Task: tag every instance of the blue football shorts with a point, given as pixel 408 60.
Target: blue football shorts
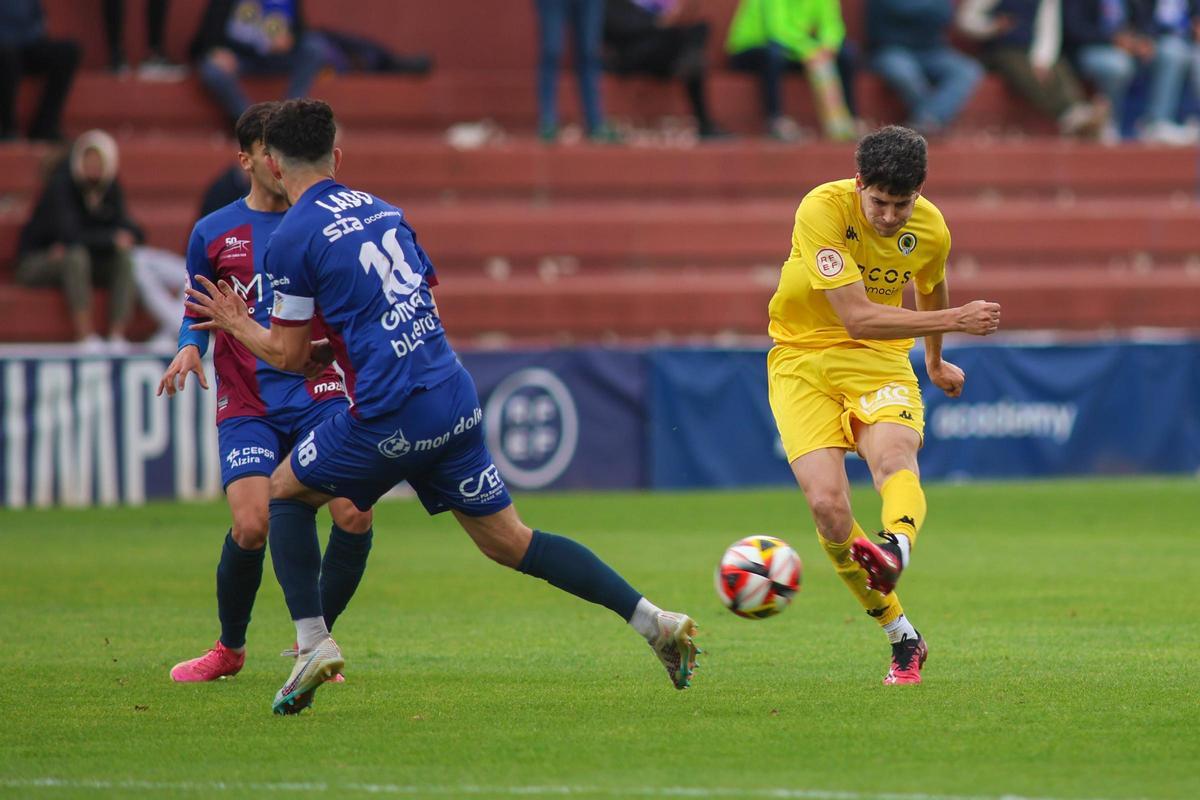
pixel 434 441
pixel 254 445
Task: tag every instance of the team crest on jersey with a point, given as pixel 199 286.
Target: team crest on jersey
pixel 829 262
pixel 907 243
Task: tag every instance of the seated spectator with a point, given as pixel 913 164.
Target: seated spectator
pixel 1097 39
pixel 910 50
pixel 1162 32
pixel 771 36
pixel 587 26
pixel 256 37
pixel 25 48
pixel 649 37
pixel 80 233
pixel 156 66
pixel 1022 41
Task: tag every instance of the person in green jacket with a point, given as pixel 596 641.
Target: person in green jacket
pixel 771 36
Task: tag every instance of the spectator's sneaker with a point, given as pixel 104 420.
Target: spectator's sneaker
pixel 908 656
pixel 161 69
pixel 219 662
pixel 674 647
pixel 311 670
pixel 882 561
pixel 295 652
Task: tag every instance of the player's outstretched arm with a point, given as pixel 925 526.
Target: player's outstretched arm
pixel 175 378
pixel 283 347
pixel 866 320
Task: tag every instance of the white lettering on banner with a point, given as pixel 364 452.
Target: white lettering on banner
pixel 144 425
pixel 1005 420
pixel 197 472
pixel 96 444
pixel 183 433
pixel 15 438
pixel 52 421
pixel 60 433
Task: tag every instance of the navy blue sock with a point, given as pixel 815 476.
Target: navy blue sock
pixel 296 555
pixel 341 569
pixel 568 565
pixel 239 573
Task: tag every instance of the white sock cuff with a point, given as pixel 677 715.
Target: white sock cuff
pixel 310 632
pixel 905 546
pixel 645 619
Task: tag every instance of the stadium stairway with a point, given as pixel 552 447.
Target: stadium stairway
pixel 660 239
pixel 593 243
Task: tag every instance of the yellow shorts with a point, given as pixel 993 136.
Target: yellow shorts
pixel 815 394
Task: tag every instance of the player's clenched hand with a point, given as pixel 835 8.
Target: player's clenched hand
pixel 946 376
pixel 979 317
pixel 320 356
pixel 224 307
pixel 175 378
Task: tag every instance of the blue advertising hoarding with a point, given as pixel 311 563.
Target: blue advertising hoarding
pixel 85 431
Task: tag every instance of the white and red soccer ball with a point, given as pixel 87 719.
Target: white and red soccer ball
pixel 758 576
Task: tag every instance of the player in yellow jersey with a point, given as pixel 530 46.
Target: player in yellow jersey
pixel 840 376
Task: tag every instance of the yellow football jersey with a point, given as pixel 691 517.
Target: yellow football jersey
pixel 834 245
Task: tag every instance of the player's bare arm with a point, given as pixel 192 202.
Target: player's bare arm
pixel 946 376
pixel 175 378
pixel 284 347
pixel 867 320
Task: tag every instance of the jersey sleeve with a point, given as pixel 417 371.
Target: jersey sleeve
pixel 934 271
pixel 820 238
pixel 292 283
pixel 198 263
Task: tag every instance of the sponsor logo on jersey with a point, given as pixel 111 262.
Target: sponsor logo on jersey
pixel 395 446
pixel 236 248
pixel 907 243
pixel 484 488
pixel 851 234
pixel 891 395
pixel 249 456
pixel 463 425
pixel 829 262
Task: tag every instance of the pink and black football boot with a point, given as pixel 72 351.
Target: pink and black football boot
pixel 882 561
pixel 908 656
pixel 219 662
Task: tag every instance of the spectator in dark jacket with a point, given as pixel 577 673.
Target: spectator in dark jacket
pixel 1022 41
pixel 1096 38
pixel 25 48
pixel 910 49
pixel 649 37
pixel 1165 29
pixel 256 37
pixel 81 233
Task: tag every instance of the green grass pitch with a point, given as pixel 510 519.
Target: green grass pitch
pixel 1062 621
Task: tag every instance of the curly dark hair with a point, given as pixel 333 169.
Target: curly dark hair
pixel 251 124
pixel 894 159
pixel 301 130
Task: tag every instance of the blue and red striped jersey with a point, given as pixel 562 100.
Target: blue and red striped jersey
pixel 229 244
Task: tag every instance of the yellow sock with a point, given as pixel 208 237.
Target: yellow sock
pixel 903 505
pixel 884 609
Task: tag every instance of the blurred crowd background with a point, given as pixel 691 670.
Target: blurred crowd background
pixel 607 170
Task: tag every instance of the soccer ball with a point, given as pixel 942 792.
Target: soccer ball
pixel 758 576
